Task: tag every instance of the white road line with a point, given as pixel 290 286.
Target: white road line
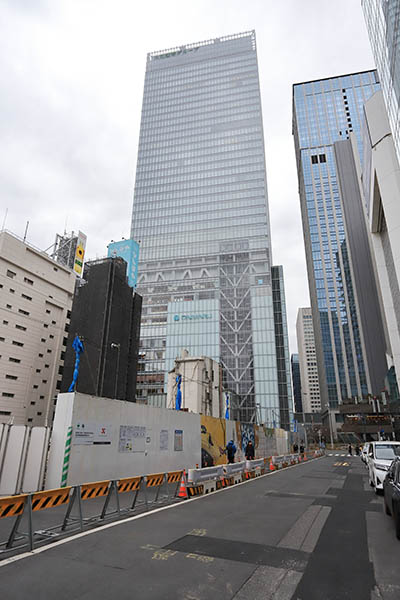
pixel 12 559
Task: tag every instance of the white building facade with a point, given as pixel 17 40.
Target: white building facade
pixel 36 296
pixel 310 391
pixel 200 384
pixel 381 186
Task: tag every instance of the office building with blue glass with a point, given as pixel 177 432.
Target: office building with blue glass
pixel 326 113
pixel 201 217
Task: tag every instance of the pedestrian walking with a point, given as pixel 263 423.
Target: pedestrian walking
pixel 295 448
pixel 350 450
pixel 231 451
pixel 249 451
pixel 302 448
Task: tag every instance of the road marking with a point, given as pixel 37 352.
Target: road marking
pixel 200 557
pixel 77 536
pixel 198 532
pixel 163 554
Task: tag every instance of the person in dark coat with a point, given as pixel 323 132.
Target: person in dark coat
pixel 249 451
pixel 231 451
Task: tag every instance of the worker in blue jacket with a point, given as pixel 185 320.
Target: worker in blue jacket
pixel 231 451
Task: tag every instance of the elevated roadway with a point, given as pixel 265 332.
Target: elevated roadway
pixel 314 531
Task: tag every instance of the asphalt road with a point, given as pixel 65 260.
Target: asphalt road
pixel 315 531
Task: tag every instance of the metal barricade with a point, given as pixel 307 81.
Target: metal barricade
pixel 87 491
pixel 12 506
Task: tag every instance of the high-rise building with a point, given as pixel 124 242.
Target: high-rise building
pixel 106 317
pixel 282 348
pixel 325 112
pixel 201 217
pixel 36 296
pixel 383 23
pixel 310 394
pixel 381 186
pixel 296 381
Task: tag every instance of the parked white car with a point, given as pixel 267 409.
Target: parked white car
pixel 364 452
pixel 380 457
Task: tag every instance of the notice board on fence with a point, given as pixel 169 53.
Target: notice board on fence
pixel 178 440
pixel 132 438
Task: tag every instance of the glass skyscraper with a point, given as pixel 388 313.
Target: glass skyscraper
pixel 383 23
pixel 201 217
pixel 325 112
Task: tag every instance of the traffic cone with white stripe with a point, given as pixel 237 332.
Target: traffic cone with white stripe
pixel 182 490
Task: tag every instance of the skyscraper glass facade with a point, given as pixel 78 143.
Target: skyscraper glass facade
pixel 200 215
pixel 325 112
pixel 383 23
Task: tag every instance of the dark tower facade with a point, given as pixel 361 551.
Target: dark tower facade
pixel 106 315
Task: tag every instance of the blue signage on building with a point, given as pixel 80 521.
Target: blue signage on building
pixel 192 317
pixel 129 251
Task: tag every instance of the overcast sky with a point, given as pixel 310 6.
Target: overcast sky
pixel 71 84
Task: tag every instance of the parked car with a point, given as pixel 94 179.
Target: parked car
pixel 391 490
pixel 364 452
pixel 380 457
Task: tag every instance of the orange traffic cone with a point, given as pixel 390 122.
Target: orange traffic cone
pixel 271 465
pixel 182 490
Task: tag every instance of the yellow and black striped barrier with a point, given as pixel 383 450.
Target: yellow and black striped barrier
pixel 96 489
pixel 128 484
pixel 12 506
pixel 50 498
pixel 195 490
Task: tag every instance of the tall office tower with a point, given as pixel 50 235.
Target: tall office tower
pixel 298 406
pixel 383 23
pixel 325 112
pixel 200 215
pixel 106 316
pixel 310 394
pixel 282 348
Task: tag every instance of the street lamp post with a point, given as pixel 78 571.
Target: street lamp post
pixel 117 347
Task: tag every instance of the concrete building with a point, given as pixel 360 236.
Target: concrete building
pixel 106 316
pixel 383 23
pixel 200 385
pixel 349 360
pixel 310 391
pixel 200 214
pixel 381 186
pixel 36 296
pixel 296 383
pixel 282 348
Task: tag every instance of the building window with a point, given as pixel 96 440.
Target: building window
pixel 30 420
pixel 12 291
pixel 26 297
pixel 45 325
pixel 20 344
pixel 7 395
pixel 40 355
pixel 51 336
pixel 11 274
pixel 42 340
pixel 322 158
pixel 314 159
pixel 48 351
pixel 37 370
pixel 2 339
pixel 54 323
pixel 20 327
pixel 35 387
pixel 23 312
pixel 39 414
pixel 14 377
pixel 8 306
pixel 15 360
pixel 41 397
pixel 28 281
pixel 44 380
pixel 47 310
pixel 33 403
pixel 5 412
pixel 5 322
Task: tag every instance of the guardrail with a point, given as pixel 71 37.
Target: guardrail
pixel 139 490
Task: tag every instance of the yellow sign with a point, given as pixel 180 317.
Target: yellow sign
pixel 80 253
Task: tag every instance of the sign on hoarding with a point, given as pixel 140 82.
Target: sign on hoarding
pixel 80 253
pixel 129 251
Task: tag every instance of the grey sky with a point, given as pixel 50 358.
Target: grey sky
pixel 71 83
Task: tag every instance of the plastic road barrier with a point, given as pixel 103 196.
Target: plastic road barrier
pixel 207 474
